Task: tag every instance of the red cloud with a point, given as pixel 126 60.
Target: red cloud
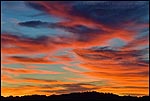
pixel 21 59
pixel 64 58
pixel 12 44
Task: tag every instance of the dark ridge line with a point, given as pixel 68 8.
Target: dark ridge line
pixel 78 96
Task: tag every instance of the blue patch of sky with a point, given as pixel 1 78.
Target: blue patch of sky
pixel 62 77
pixel 115 42
pixel 143 32
pixel 50 67
pixel 18 12
pixel 7 84
pixel 14 65
pixel 71 54
pixel 64 51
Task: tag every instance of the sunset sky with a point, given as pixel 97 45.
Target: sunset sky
pixel 51 47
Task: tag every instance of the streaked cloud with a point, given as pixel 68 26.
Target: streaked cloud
pixel 27 71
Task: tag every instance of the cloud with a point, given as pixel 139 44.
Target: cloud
pixel 139 41
pixel 43 81
pixel 80 34
pixel 118 67
pixel 23 59
pixel 39 81
pixel 71 70
pixel 13 80
pixel 8 79
pixel 126 91
pixel 73 29
pixel 26 90
pixel 64 58
pixel 17 71
pixel 24 45
pixel 45 89
pixel 102 13
pixel 87 79
pixel 96 24
pixel 33 23
pixel 104 54
pixel 119 76
pixel 131 87
pixel 78 87
pixel 45 44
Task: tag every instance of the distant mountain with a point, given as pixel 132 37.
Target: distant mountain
pixel 84 96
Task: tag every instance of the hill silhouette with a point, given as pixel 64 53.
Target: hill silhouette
pixel 84 96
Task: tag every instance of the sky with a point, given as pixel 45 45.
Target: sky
pixel 58 47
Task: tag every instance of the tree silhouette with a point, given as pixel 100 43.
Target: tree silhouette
pixel 80 96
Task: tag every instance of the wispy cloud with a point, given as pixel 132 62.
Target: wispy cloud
pixel 17 71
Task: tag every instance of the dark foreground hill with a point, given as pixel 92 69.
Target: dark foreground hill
pixel 84 96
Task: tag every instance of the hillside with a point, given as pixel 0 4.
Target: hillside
pixel 84 96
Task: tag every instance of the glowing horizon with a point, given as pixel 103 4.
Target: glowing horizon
pixel 57 47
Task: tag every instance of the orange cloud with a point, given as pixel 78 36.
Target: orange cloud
pixel 138 42
pixel 71 70
pixel 27 90
pixel 22 59
pixel 18 71
pixel 42 81
pixel 9 79
pixel 64 58
pixel 125 91
pixel 12 44
pixel 85 79
pixel 64 12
